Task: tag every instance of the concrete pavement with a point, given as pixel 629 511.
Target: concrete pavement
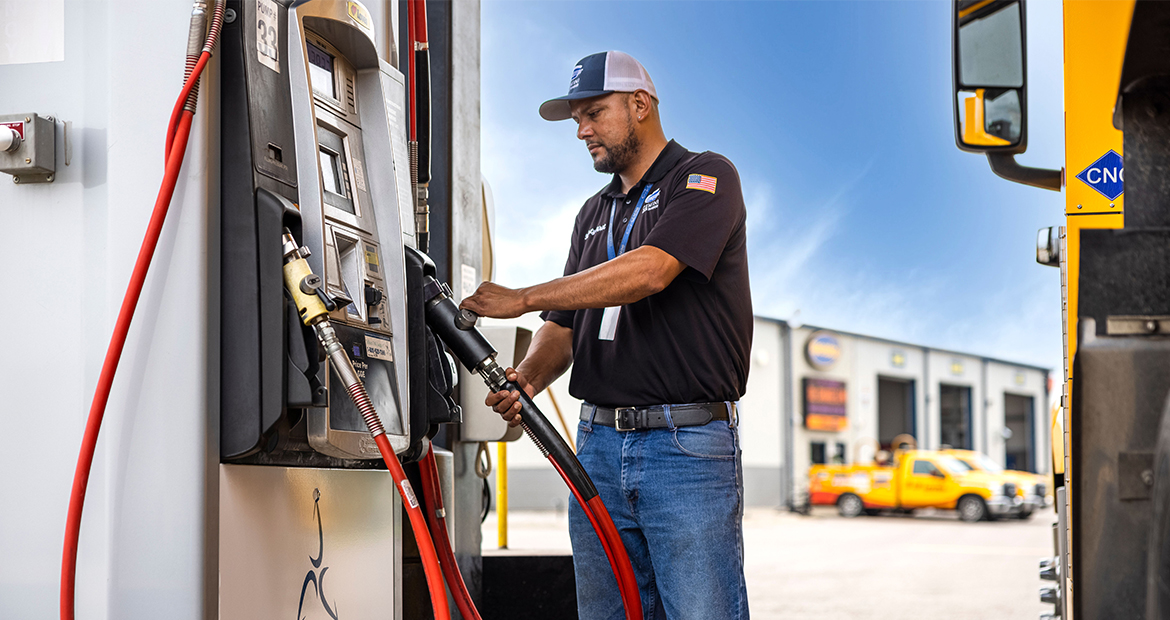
pixel 927 566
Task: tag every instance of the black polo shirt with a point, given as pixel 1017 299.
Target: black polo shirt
pixel 690 342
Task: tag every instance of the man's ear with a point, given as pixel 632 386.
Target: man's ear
pixel 642 104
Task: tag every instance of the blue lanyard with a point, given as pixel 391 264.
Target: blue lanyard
pixel 629 227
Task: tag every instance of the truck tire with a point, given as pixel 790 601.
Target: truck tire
pixel 972 508
pixel 1024 515
pixel 850 505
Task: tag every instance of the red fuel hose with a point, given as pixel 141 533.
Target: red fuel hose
pixel 110 366
pixel 418 523
pixel 177 134
pixel 611 542
pixel 456 328
pixel 433 499
pixel 343 368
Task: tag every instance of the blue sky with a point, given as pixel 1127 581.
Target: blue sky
pixel 863 216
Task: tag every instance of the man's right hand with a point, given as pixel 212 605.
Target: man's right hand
pixel 507 403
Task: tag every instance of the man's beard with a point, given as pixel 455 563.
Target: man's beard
pixel 619 156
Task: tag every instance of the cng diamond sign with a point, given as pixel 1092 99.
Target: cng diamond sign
pixel 1105 175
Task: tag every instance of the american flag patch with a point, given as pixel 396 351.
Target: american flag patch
pixel 701 181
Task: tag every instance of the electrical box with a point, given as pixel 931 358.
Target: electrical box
pixel 28 148
pixel 480 422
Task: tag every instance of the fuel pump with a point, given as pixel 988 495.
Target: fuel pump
pixel 314 141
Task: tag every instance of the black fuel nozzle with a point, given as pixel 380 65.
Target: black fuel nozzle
pixel 456 328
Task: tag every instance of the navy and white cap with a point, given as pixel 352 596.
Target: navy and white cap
pixel 600 74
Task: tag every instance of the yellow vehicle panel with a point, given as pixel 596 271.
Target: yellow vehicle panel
pixel 1092 71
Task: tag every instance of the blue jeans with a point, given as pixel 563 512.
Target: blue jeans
pixel 676 497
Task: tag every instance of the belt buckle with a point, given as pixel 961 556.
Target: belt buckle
pixel 619 416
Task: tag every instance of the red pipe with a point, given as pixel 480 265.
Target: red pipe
pixel 410 74
pixel 426 547
pixel 433 498
pixel 611 541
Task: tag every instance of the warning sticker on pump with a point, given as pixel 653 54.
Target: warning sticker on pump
pixel 268 34
pixel 408 493
pixel 359 175
pixel 378 348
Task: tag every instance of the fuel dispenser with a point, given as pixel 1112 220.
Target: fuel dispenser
pixel 318 243
pixel 313 141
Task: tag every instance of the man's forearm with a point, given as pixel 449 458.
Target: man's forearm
pixel 630 277
pixel 548 356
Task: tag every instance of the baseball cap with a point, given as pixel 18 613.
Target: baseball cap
pixel 600 74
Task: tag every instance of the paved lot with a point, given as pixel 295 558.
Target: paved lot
pixel 929 566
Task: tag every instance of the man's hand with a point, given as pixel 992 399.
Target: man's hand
pixel 506 403
pixel 495 301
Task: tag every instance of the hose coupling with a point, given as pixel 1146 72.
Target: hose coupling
pixel 493 375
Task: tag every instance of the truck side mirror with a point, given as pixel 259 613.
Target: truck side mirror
pixel 989 88
pixel 989 76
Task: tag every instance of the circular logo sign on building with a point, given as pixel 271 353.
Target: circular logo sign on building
pixel 822 350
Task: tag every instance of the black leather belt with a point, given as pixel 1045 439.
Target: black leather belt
pixel 654 416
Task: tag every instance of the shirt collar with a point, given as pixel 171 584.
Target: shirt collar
pixel 671 154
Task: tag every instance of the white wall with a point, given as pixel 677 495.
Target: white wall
pixel 761 432
pixel 69 247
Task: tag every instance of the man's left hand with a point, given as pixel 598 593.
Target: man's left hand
pixel 495 301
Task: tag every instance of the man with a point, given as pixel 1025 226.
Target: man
pixel 654 314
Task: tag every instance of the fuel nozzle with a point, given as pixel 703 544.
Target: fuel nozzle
pixel 456 328
pixel 313 306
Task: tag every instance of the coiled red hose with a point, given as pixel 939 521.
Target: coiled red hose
pixel 178 131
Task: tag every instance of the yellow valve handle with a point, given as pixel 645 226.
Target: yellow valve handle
pixel 309 305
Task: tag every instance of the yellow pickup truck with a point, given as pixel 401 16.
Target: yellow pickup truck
pixel 1032 487
pixel 918 479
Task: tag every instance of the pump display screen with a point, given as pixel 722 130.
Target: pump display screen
pixel 321 70
pixel 335 178
pixel 331 172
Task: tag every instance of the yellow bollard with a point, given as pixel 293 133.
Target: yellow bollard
pixel 502 493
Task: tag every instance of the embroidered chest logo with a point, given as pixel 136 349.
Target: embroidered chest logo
pixel 593 231
pixel 313 577
pixel 652 201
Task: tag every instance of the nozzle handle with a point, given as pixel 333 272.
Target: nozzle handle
pixel 466 319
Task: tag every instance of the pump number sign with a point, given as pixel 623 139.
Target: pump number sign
pixel 267 29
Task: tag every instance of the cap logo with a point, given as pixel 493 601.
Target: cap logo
pixel 575 81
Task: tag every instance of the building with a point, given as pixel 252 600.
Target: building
pixel 820 396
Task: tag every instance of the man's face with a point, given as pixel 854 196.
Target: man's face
pixel 607 127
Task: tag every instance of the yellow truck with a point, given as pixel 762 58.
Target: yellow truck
pixel 918 479
pixel 1033 488
pixel 1111 438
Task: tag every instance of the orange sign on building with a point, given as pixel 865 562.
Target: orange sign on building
pixel 824 405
